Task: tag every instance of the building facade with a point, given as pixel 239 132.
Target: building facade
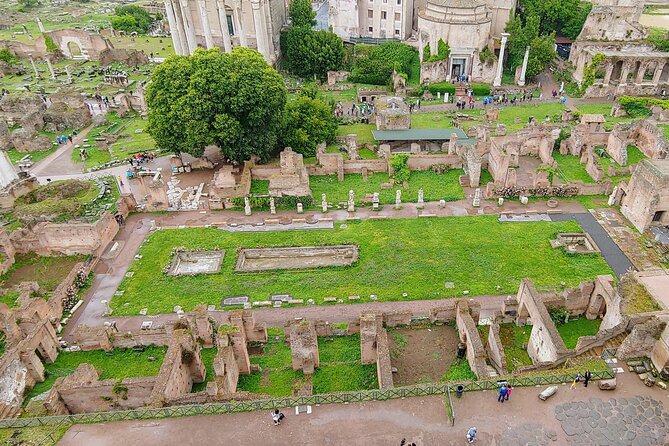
pixel 226 24
pixel 379 19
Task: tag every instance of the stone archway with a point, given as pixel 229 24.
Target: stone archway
pixel 74 50
pixel 617 71
pixel 664 76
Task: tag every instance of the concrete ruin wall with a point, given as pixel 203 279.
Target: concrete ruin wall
pixel 476 355
pixel 426 161
pixel 7 252
pixel 226 369
pixel 660 353
pixel 545 344
pixel 374 348
pixel 448 311
pixel 647 192
pixel 649 138
pixel 495 350
pixel 616 145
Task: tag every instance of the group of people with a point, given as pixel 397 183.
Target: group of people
pixel 140 158
pixel 62 139
pixel 585 378
pixel 504 393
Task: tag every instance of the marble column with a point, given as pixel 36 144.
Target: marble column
pixel 261 36
pixel 7 172
pixel 174 29
pixel 48 64
pixel 206 27
pixel 40 25
pixel 188 26
pixel 223 19
pixel 625 73
pixel 32 62
pixel 269 28
pixel 523 69
pixel 500 62
pixel 420 46
pixel 658 72
pixel 237 22
pixel 642 71
pixel 607 74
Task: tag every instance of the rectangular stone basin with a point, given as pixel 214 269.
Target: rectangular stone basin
pixel 188 263
pixel 304 257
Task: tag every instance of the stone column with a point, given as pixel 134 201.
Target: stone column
pixel 237 22
pixel 500 62
pixel 523 70
pixel 48 64
pixel 641 72
pixel 658 72
pixel 7 172
pixel 420 46
pixel 174 29
pixel 206 28
pixel 261 35
pixel 188 26
pixel 223 19
pixel 40 25
pixel 607 74
pixel 269 29
pixel 32 62
pixel 625 73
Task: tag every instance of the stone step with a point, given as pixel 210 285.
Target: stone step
pixel 491 371
pixel 464 180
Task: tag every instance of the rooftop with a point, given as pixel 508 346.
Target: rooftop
pixel 421 135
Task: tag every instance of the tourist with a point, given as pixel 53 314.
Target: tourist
pixel 508 391
pixel 277 417
pixel 587 377
pixel 471 435
pixel 120 180
pixel 577 379
pixel 502 393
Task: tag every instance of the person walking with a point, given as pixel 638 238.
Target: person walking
pixel 508 392
pixel 277 417
pixel 587 377
pixel 577 379
pixel 502 393
pixel 471 435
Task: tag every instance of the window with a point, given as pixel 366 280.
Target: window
pixel 399 2
pixel 371 29
pixel 397 16
pixel 384 15
pixel 397 32
pixel 370 14
pixel 231 29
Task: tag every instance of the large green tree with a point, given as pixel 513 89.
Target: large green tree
pixel 565 17
pixel 131 18
pixel 301 13
pixel 233 100
pixel 313 53
pixel 542 50
pixel 307 123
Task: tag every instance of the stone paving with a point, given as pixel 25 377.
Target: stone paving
pixel 530 434
pixel 637 420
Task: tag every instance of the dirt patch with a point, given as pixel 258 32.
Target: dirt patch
pixel 422 355
pixel 265 259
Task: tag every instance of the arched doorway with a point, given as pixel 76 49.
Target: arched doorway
pixel 664 77
pixel 74 50
pixel 617 71
pixel 650 71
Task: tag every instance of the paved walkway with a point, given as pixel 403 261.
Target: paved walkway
pixel 60 161
pixel 616 259
pixel 634 415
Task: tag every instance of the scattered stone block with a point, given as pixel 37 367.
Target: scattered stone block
pixel 281 297
pixel 353 297
pixel 235 300
pixel 330 299
pixel 607 384
pixel 143 311
pixel 661 385
pixel 263 303
pixel 548 392
pixel 649 381
pixel 296 301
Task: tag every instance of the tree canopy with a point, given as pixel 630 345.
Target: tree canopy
pixel 233 100
pixel 374 64
pixel 131 18
pixel 522 35
pixel 301 13
pixel 307 123
pixel 313 53
pixel 565 17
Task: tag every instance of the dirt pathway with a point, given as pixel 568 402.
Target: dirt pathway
pixel 60 161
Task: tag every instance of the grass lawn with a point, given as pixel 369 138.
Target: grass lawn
pixel 396 256
pixel 572 330
pixel 367 154
pixel 207 355
pixel 459 371
pixel 571 169
pixel 32 435
pixel 435 187
pixel 634 155
pixel 514 340
pixel 118 364
pixel 48 272
pixel 260 187
pixel 604 109
pixel 431 120
pixel 364 132
pixel 666 130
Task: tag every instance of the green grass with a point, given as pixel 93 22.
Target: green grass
pixel 260 187
pixel 345 378
pixel 118 364
pixel 571 169
pixel 9 298
pixel 634 155
pixel 666 131
pixel 278 383
pixel 48 272
pixel 367 154
pixel 430 120
pixel 339 349
pixel 435 187
pixel 364 132
pixel 207 355
pixel 514 340
pixel 486 177
pixel 572 330
pixel 32 435
pixel 604 109
pixel 416 256
pixel 459 371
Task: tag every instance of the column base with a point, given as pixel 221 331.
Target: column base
pixel 497 82
pixel 521 83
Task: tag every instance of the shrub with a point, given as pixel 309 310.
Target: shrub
pixel 50 44
pixel 7 56
pixel 442 87
pixel 487 56
pixel 443 51
pixel 375 64
pixel 639 107
pixel 131 18
pixel 559 316
pixel 285 202
pixel 480 89
pixel 400 165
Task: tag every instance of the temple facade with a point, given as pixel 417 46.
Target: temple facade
pixel 227 24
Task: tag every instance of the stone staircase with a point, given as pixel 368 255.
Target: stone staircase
pixel 611 344
pixel 460 90
pixel 491 371
pixel 464 180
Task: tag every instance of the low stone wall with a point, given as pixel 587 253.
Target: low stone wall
pixel 476 355
pixel 10 194
pixel 261 172
pixel 374 348
pixel 426 161
pixel 357 166
pixel 495 350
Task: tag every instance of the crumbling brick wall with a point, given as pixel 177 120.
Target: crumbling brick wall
pixel 470 336
pixel 495 350
pixel 374 348
pixel 303 346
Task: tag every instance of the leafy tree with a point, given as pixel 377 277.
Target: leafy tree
pixel 301 14
pixel 132 18
pixel 542 50
pixel 313 53
pixel 565 17
pixel 233 100
pixel 25 5
pixel 307 123
pixel 309 90
pixel 443 51
pixel 375 64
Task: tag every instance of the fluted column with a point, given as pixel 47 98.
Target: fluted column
pixel 188 26
pixel 237 19
pixel 223 19
pixel 523 69
pixel 269 29
pixel 261 35
pixel 498 77
pixel 174 29
pixel 206 28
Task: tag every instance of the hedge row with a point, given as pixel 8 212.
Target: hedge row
pixel 448 87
